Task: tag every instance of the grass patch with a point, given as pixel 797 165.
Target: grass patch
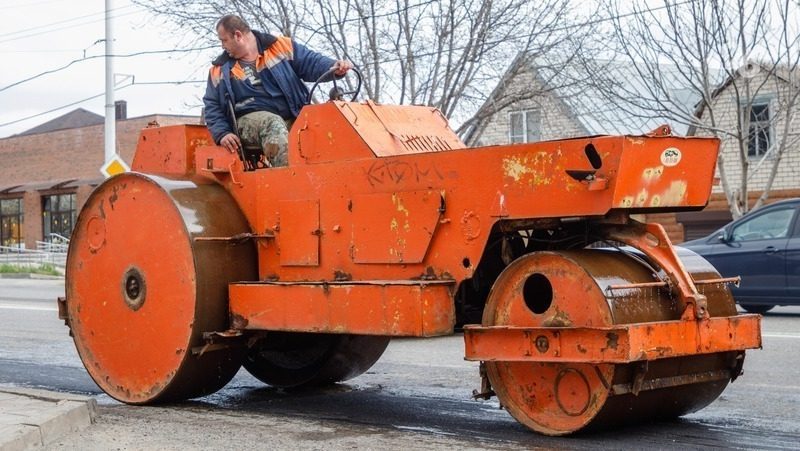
pixel 44 268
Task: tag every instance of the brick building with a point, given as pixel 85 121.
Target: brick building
pixel 48 172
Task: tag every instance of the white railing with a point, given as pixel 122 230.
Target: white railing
pixel 56 244
pixel 54 255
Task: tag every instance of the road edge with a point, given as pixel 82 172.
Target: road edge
pixel 57 414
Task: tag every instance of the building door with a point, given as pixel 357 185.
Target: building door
pixel 58 215
pixel 11 222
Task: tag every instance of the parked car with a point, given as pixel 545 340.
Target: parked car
pixel 764 248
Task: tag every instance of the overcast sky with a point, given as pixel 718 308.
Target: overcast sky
pixel 42 35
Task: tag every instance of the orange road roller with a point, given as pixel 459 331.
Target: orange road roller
pixel 384 224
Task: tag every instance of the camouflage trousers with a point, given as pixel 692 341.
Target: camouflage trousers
pixel 269 132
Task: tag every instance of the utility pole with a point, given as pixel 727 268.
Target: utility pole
pixel 113 163
pixel 111 126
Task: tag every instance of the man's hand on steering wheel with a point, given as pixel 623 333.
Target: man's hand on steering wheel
pixel 338 70
pixel 341 67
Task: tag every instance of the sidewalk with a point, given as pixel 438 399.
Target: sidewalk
pixel 33 418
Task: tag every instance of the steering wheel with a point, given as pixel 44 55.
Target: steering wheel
pixel 336 93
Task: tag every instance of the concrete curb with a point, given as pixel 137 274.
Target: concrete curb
pixel 33 418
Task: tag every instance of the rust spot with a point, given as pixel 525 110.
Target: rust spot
pixel 581 349
pixel 340 276
pixel 612 340
pixel 542 344
pixel 560 319
pixel 429 274
pixel 112 199
pixel 238 321
pixel 470 225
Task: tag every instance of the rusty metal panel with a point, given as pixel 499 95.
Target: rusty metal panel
pixel 322 134
pixel 397 308
pixel 298 238
pixel 169 150
pixel 394 227
pixel 617 344
pixel 665 172
pixel 401 130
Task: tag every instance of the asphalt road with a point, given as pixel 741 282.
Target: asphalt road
pixel 417 396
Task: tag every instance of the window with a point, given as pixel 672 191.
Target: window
pixel 58 215
pixel 759 136
pixel 11 221
pixel 774 224
pixel 525 126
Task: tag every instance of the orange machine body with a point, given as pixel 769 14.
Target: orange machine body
pixel 378 201
pixel 385 224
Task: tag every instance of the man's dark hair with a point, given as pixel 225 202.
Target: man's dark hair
pixel 232 23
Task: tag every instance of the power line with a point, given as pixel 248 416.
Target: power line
pixel 126 55
pixel 563 28
pixel 16 121
pixel 373 16
pixel 27 30
pixel 77 102
pixel 23 5
pixel 41 51
pixel 184 82
pixel 68 27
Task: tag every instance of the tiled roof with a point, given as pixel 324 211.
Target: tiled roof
pixel 74 119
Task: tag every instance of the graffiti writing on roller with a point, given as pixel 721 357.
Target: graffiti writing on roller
pixel 396 172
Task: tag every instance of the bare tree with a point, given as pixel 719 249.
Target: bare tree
pixel 709 65
pixel 443 53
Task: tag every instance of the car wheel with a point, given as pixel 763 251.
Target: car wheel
pixel 757 308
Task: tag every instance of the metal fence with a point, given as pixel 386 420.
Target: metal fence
pixel 53 252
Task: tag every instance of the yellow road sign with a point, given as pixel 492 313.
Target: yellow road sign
pixel 114 166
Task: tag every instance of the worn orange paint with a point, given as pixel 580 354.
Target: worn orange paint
pixel 382 212
pixel 144 291
pixel 632 342
pixel 397 210
pixel 394 308
pixel 94 323
pixel 169 150
pixel 346 173
pixel 557 347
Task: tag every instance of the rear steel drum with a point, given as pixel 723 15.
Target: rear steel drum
pixel 570 288
pixel 142 286
pixel 285 359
